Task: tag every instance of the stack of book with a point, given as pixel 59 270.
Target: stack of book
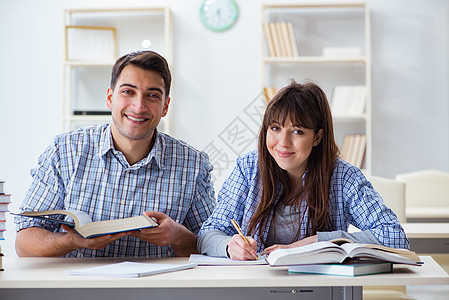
pixel 342 257
pixel 4 201
pixel 354 148
pixel 280 39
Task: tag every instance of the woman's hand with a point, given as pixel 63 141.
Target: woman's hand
pixel 238 249
pixel 303 242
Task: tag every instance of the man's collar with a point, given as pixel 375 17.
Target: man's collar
pixel 107 144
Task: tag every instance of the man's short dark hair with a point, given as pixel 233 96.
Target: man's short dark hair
pixel 147 60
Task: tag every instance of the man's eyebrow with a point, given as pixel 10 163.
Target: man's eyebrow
pixel 155 89
pixel 127 84
pixel 148 89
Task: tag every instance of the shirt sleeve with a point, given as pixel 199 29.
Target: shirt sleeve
pixel 204 200
pixel 365 209
pixel 231 201
pixel 46 191
pixel 364 237
pixel 213 243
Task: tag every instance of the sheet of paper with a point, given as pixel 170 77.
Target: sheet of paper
pixel 204 260
pixel 130 269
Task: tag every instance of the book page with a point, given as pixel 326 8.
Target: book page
pixel 114 226
pixel 320 252
pixel 360 250
pixel 205 260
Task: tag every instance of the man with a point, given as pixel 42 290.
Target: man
pixel 118 170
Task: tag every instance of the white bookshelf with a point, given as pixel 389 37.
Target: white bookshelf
pixel 85 81
pixel 318 26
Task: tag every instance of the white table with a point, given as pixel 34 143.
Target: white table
pixel 44 278
pixel 427 214
pixel 428 237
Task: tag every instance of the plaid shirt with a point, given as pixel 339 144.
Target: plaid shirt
pixel 352 197
pixel 81 170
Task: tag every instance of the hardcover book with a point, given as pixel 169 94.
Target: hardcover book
pixel 355 268
pixel 337 251
pixel 83 224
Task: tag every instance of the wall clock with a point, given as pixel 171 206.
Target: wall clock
pixel 219 15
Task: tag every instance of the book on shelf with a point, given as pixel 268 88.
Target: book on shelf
pixel 84 225
pixel 269 92
pixel 280 39
pixel 338 251
pixel 348 100
pixel 351 268
pixel 2 215
pixel 353 149
pixel 130 269
pixel 1 187
pixel 1 235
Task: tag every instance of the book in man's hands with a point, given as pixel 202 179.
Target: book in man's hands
pixel 351 268
pixel 83 224
pixel 130 269
pixel 337 251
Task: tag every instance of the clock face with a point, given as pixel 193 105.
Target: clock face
pixel 219 15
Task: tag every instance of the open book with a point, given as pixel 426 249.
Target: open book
pixel 83 224
pixel 337 251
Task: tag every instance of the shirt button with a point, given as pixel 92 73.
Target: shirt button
pixel 122 202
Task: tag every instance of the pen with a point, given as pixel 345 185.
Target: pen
pixel 237 227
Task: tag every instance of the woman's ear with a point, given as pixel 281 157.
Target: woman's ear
pixel 318 137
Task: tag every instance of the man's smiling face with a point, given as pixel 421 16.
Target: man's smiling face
pixel 138 103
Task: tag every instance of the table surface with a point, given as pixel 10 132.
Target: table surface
pixel 23 272
pixel 427 212
pixel 426 230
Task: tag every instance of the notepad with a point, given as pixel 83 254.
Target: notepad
pixel 205 260
pixel 130 269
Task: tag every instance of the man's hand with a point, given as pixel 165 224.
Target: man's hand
pixel 238 249
pixel 167 233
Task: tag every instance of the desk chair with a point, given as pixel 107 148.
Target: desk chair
pixel 393 194
pixel 426 188
pixel 429 189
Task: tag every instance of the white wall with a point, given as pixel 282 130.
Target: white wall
pixel 217 76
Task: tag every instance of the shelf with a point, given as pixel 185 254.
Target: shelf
pixel 91 118
pixel 315 5
pixel 89 54
pixel 314 59
pixel 350 118
pixel 86 63
pixel 331 43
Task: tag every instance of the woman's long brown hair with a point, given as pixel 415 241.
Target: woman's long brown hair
pixel 307 105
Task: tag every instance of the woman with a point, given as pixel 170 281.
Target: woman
pixel 295 190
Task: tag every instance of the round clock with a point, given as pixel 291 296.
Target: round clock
pixel 219 15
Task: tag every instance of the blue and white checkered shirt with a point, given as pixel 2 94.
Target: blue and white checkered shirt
pixel 352 198
pixel 81 170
